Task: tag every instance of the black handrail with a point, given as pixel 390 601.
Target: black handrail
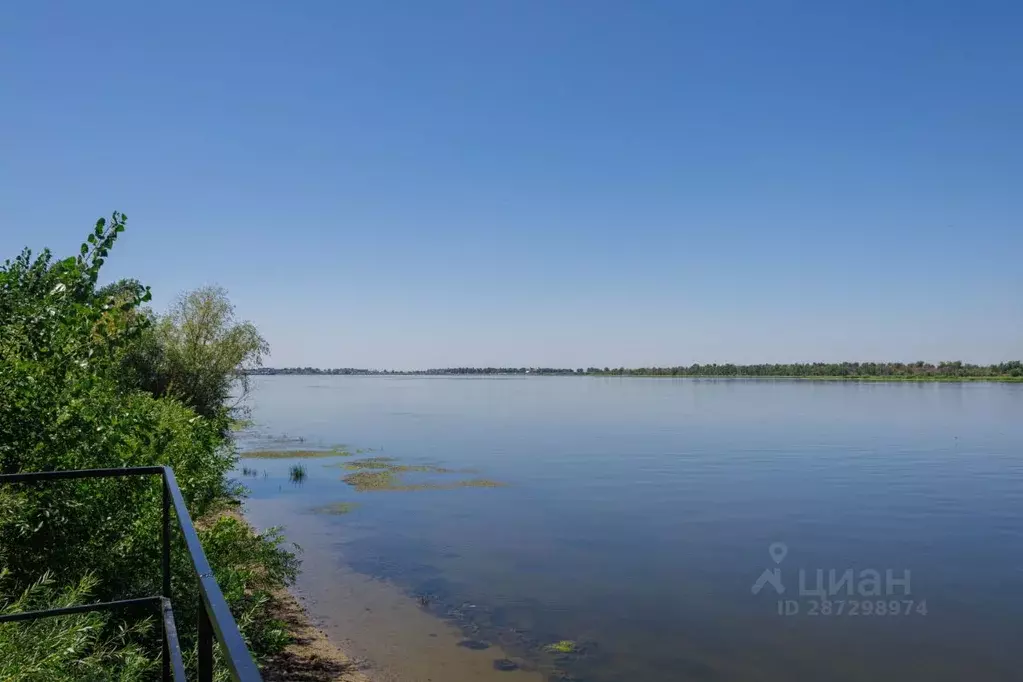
pixel 215 619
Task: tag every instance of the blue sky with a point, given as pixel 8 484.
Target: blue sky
pixel 420 184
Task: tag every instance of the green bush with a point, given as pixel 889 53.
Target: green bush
pixel 90 379
pixel 198 352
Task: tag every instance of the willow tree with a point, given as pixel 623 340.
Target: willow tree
pixel 199 352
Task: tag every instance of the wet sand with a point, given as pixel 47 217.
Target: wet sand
pixel 373 622
pixel 311 657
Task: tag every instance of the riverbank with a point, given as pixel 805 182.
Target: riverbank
pixel 354 627
pixel 311 656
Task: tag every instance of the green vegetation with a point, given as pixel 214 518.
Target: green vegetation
pixel 69 647
pixel 916 371
pixel 297 473
pixel 364 481
pixel 89 378
pixel 198 353
pixel 240 424
pixel 293 454
pixel 387 463
pixel 369 463
pixel 565 646
pixel 380 473
pixel 883 371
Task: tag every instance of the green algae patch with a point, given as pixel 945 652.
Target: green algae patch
pixel 388 464
pixel 384 479
pixel 385 473
pixel 335 508
pixel 565 646
pixel 363 481
pixel 289 454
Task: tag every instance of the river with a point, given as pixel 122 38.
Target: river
pixel 669 530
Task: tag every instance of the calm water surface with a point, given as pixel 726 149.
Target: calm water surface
pixel 638 514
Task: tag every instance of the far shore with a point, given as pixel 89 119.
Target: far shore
pixel 745 377
pixel 946 380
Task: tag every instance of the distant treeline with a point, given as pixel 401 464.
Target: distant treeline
pixel 895 370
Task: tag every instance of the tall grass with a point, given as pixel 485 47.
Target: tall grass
pixel 86 646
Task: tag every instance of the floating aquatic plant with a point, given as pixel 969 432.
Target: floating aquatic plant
pixel 297 454
pixel 363 481
pixel 387 479
pixel 565 646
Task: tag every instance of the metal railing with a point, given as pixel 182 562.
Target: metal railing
pixel 215 619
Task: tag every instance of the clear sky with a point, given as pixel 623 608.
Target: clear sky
pixel 557 183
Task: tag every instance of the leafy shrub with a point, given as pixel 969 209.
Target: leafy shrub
pixel 198 352
pixel 89 379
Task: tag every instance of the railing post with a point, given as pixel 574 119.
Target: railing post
pixel 166 571
pixel 205 644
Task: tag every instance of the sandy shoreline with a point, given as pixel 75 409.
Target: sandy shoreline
pixel 311 657
pixel 350 627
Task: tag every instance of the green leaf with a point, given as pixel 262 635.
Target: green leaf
pixel 85 249
pixel 100 224
pixel 92 239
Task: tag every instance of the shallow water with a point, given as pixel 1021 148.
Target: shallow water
pixel 638 514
